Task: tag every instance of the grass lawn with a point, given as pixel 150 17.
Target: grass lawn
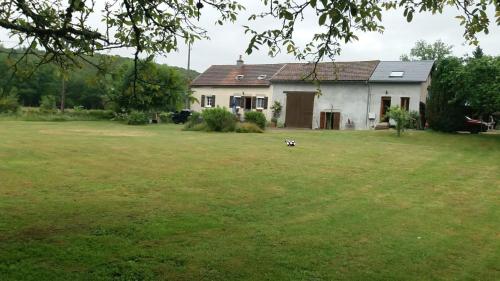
pixel 105 201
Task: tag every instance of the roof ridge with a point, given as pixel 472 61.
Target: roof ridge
pixel 284 65
pixel 408 61
pixel 199 75
pixel 252 64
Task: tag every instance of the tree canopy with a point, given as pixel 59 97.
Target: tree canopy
pixel 87 86
pixel 157 88
pixel 445 111
pixel 463 86
pixel 428 51
pixel 479 85
pixel 62 29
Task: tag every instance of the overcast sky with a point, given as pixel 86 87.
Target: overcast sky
pixel 228 42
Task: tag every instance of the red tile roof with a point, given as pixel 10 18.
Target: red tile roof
pixel 225 75
pixel 327 71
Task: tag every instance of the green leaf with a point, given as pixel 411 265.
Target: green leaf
pixel 287 15
pixel 322 19
pixel 409 17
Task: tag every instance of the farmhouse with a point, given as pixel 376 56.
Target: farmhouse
pixel 340 95
pixel 240 88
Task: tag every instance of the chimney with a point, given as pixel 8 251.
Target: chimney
pixel 240 61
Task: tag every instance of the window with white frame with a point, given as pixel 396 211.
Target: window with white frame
pixel 260 103
pixel 209 101
pixel 236 101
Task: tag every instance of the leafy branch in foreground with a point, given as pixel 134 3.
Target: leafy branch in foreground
pixel 339 21
pixel 64 31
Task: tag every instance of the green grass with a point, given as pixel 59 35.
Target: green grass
pixel 35 114
pixel 106 201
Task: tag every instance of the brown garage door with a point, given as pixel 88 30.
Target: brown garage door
pixel 299 109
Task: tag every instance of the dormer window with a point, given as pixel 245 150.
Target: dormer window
pixel 396 74
pixel 239 77
pixel 262 77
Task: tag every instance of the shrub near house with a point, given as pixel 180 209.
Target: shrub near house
pixel 256 118
pixel 219 119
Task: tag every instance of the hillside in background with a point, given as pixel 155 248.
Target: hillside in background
pixel 86 86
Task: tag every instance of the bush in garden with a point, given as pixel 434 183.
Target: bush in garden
pixel 415 121
pixel 166 117
pixel 248 128
pixel 9 104
pixel 193 120
pixel 257 118
pixel 219 119
pixel 401 116
pixel 138 118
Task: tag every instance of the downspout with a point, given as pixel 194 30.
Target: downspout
pixel 368 103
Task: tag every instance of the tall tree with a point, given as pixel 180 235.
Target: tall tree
pixel 157 88
pixel 480 85
pixel 445 110
pixel 63 75
pixel 478 53
pixel 428 51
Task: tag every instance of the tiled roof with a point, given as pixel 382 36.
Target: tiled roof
pixel 327 71
pixel 413 71
pixel 226 75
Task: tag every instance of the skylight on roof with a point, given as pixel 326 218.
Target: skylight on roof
pixel 239 77
pixel 262 77
pixel 396 74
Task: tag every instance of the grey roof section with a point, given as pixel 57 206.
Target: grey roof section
pixel 414 71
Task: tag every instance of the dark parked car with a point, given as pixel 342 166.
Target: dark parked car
pixel 181 116
pixel 475 126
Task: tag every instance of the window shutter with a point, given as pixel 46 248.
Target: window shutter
pixel 202 100
pixel 213 100
pixel 265 102
pixel 322 120
pixel 254 102
pixel 231 101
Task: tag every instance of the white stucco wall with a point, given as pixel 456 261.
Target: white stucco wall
pixel 395 92
pixel 424 90
pixel 222 95
pixel 350 99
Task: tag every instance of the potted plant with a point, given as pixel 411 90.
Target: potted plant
pixel 276 108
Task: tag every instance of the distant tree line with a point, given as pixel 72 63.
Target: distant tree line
pixel 104 87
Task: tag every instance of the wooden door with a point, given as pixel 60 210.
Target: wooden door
pixel 336 120
pixel 299 109
pixel 329 120
pixel 385 104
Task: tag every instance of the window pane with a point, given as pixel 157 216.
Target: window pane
pixel 397 74
pixel 260 102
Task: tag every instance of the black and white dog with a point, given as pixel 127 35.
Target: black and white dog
pixel 290 142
